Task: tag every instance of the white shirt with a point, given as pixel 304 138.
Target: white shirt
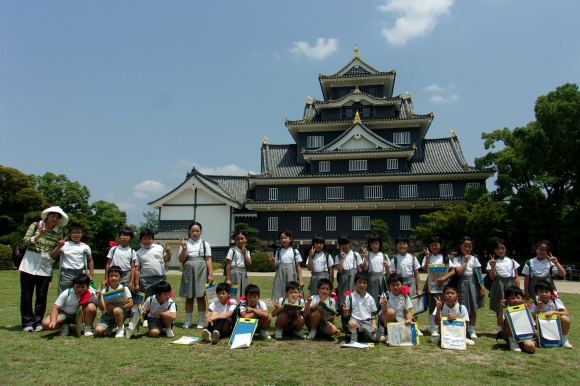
pixel 320 262
pixel 151 261
pixel 68 300
pixel 540 268
pixel 193 248
pixel 152 304
pixel 400 303
pixel 331 303
pixel 471 264
pixel 553 305
pixel 350 261
pixel 284 255
pixel 72 255
pixel 122 257
pixel 260 305
pixel 237 258
pixel 217 306
pixel 434 259
pixel 362 308
pixel 445 310
pixel 376 261
pixel 406 265
pixel 504 267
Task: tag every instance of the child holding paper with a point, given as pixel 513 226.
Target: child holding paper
pixel 317 319
pixel 451 309
pixel 289 320
pixel 219 315
pixel 253 308
pixel 114 313
pixel 160 311
pixel 513 297
pixel 548 301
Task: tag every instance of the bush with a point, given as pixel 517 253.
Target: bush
pixel 260 263
pixel 6 257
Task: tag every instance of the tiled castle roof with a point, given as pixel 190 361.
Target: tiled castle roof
pixel 367 120
pixel 337 74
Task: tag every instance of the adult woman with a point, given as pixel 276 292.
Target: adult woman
pixel 36 266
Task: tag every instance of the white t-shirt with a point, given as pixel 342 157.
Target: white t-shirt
pixel 331 303
pixel 400 303
pixel 350 261
pixel 504 267
pixel 460 312
pixel 540 268
pixel 405 265
pixel 553 305
pixel 237 258
pixel 320 262
pixel 471 264
pixel 151 261
pixel 122 257
pixel 376 261
pixel 68 300
pixel 152 305
pixel 260 305
pixel 284 255
pixel 72 255
pixel 362 308
pixel 217 306
pixel 193 248
pixel 434 259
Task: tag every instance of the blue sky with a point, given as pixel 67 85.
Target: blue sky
pixel 125 97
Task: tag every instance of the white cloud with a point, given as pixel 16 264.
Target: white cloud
pixel 442 99
pixel 322 49
pixel 231 169
pixel 126 206
pixel 150 186
pixel 434 87
pixel 419 17
pixel 140 195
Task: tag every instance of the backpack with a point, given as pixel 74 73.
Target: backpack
pixel 20 250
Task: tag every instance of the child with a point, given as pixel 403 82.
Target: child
pixel 548 301
pixel 237 259
pixel 319 263
pixel 470 292
pixel 359 309
pixel 114 314
pixel 287 264
pixel 195 255
pixel 254 308
pixel 160 311
pixel 75 256
pixel 150 263
pixel 435 253
pixel 407 266
pixel 219 316
pixel 123 256
pixel 64 310
pixel 451 309
pixel 376 263
pixel 542 267
pixel 395 307
pixel 348 263
pixel 503 271
pixel 513 297
pixel 317 319
pixel 289 321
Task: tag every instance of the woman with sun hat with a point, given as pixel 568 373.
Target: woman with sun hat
pixel 41 240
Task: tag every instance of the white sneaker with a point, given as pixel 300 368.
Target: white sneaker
pixel 264 335
pixel 89 331
pixel 206 335
pixel 435 339
pixel 514 346
pixel 469 342
pixel 473 335
pixel 200 327
pixel 567 344
pixel 419 333
pixel 215 336
pixel 186 325
pixel 120 333
pixel 434 333
pixel 311 334
pixel 169 333
pixel 145 323
pixel 299 334
pixel 64 330
pixel 38 328
pixel 28 329
pixel 278 334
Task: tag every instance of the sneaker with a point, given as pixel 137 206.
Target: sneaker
pixel 28 329
pixel 434 333
pixel 264 335
pixel 64 330
pixel 206 335
pixel 145 323
pixel 311 334
pixel 567 344
pixel 89 331
pixel 169 333
pixel 38 328
pixel 278 334
pixel 215 336
pixel 186 325
pixel 514 346
pixel 473 335
pixel 419 333
pixel 299 334
pixel 200 327
pixel 469 342
pixel 120 333
pixel 435 339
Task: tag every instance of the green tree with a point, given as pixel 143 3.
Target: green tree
pixel 254 243
pixel 380 226
pixel 71 196
pixel 151 221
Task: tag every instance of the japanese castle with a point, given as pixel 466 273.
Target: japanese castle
pixel 358 154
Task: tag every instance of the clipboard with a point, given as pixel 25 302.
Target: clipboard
pixel 453 334
pixel 328 309
pixel 402 335
pixel 549 330
pixel 234 293
pixel 243 333
pixel 479 275
pixel 521 323
pixel 116 297
pixel 79 321
pixel 138 298
pixel 420 304
pixel 436 272
pixel 136 316
pixel 186 340
pixel 293 307
pixel 210 293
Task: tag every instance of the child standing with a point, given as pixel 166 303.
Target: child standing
pixel 503 271
pixel 112 313
pixel 150 263
pixel 160 311
pixel 375 264
pixel 451 309
pixel 64 310
pixel 319 263
pixel 348 264
pixel 470 292
pixel 254 308
pixel 407 266
pixel 237 259
pixel 317 319
pixel 395 307
pixel 548 301
pixel 287 264
pixel 75 256
pixel 289 321
pixel 359 309
pixel 513 297
pixel 123 256
pixel 219 316
pixel 195 255
pixel 542 267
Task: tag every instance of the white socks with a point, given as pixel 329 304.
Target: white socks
pixel 201 318
pixel 188 318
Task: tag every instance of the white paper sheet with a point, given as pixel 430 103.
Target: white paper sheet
pixel 521 323
pixel 242 341
pixel 549 329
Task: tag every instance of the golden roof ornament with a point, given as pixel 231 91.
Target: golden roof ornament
pixel 453 133
pixel 302 151
pixel 308 100
pixel 265 140
pixel 270 174
pixel 356 118
pixel 414 147
pixel 466 167
pixel 408 94
pixel 356 53
pixel 410 115
pixel 248 176
pixel 356 90
pixel 494 168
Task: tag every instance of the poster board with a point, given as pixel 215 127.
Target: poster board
pixel 138 298
pixel 521 323
pixel 479 275
pixel 420 304
pixel 136 316
pixel 436 272
pixel 116 297
pixel 549 330
pixel 243 333
pixel 453 334
pixel 293 307
pixel 402 335
pixel 235 293
pixel 328 309
pixel 210 293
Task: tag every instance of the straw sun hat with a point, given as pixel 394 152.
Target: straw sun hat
pixel 55 209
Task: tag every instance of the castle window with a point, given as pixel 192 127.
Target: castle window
pixel 273 194
pixel 374 191
pixel 405 223
pixel 407 191
pixel 445 190
pixel 361 223
pixel 357 165
pixel 314 141
pixel 304 193
pixel 392 164
pixel 272 224
pixel 334 193
pixel 474 185
pixel 324 166
pixel 305 224
pixel 331 223
pixel 402 138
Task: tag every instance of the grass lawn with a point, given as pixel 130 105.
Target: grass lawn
pixel 46 358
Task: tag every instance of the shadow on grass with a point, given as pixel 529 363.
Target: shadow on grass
pixel 12 328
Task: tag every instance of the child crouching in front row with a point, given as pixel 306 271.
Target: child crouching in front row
pixel 114 314
pixel 513 296
pixel 288 320
pixel 548 301
pixel 451 309
pixel 219 315
pixel 395 306
pixel 254 308
pixel 160 311
pixel 317 319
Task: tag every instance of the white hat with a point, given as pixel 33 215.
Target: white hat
pixel 55 209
